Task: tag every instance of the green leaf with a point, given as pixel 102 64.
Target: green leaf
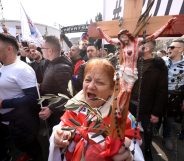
pixel 54 100
pixel 83 157
pixel 72 106
pixel 64 96
pixel 99 112
pixel 88 106
pixel 52 95
pixel 41 100
pixel 67 128
pixel 97 122
pixel 96 126
pixel 70 88
pixel 47 97
pixel 97 134
pixel 74 122
pixel 60 106
pixel 89 122
pixel 97 99
pixel 110 110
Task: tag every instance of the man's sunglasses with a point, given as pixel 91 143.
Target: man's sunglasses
pixel 172 47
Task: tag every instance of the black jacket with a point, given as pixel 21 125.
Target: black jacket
pixel 154 91
pixel 24 121
pixel 55 80
pixel 79 80
pixel 56 76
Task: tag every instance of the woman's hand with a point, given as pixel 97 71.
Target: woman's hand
pixel 61 138
pixel 124 154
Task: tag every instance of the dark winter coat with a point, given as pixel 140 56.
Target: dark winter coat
pixel 154 88
pixel 55 80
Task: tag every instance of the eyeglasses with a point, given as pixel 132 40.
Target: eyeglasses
pixel 172 47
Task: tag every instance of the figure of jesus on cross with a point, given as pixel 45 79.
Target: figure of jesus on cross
pixel 128 55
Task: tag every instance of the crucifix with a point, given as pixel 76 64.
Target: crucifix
pixel 126 72
pixel 131 14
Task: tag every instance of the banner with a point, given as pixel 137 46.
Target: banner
pixel 112 9
pixel 74 29
pixel 165 7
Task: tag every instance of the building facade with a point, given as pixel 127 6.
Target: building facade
pixel 14 28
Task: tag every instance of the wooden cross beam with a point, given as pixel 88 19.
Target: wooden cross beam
pixel 132 12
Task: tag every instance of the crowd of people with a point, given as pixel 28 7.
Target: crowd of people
pixel 153 86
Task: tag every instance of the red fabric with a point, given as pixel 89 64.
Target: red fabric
pixel 111 145
pixel 92 153
pixel 79 149
pixel 77 65
pixel 23 157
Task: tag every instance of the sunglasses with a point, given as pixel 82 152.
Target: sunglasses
pixel 172 47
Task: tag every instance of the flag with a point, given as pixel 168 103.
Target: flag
pixel 28 29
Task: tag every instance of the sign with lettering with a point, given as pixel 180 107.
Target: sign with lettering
pixel 130 11
pixel 74 29
pixel 165 7
pixel 113 9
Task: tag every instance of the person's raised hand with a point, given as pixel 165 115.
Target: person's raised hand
pixel 61 138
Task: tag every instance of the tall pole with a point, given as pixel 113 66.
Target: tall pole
pixel 103 19
pixel 2 15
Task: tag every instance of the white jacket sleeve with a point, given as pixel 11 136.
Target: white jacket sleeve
pixel 54 152
pixel 138 156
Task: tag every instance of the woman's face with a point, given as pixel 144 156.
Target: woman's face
pixel 96 84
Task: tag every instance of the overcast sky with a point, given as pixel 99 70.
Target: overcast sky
pixel 53 12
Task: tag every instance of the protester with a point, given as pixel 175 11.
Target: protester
pixel 76 59
pixel 92 52
pixel 161 53
pixel 83 48
pixel 18 102
pixel 56 76
pixel 153 94
pixel 98 83
pixel 175 64
pixel 32 55
pixel 5 30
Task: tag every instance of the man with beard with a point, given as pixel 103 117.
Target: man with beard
pixel 92 52
pixel 76 59
pixel 153 94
